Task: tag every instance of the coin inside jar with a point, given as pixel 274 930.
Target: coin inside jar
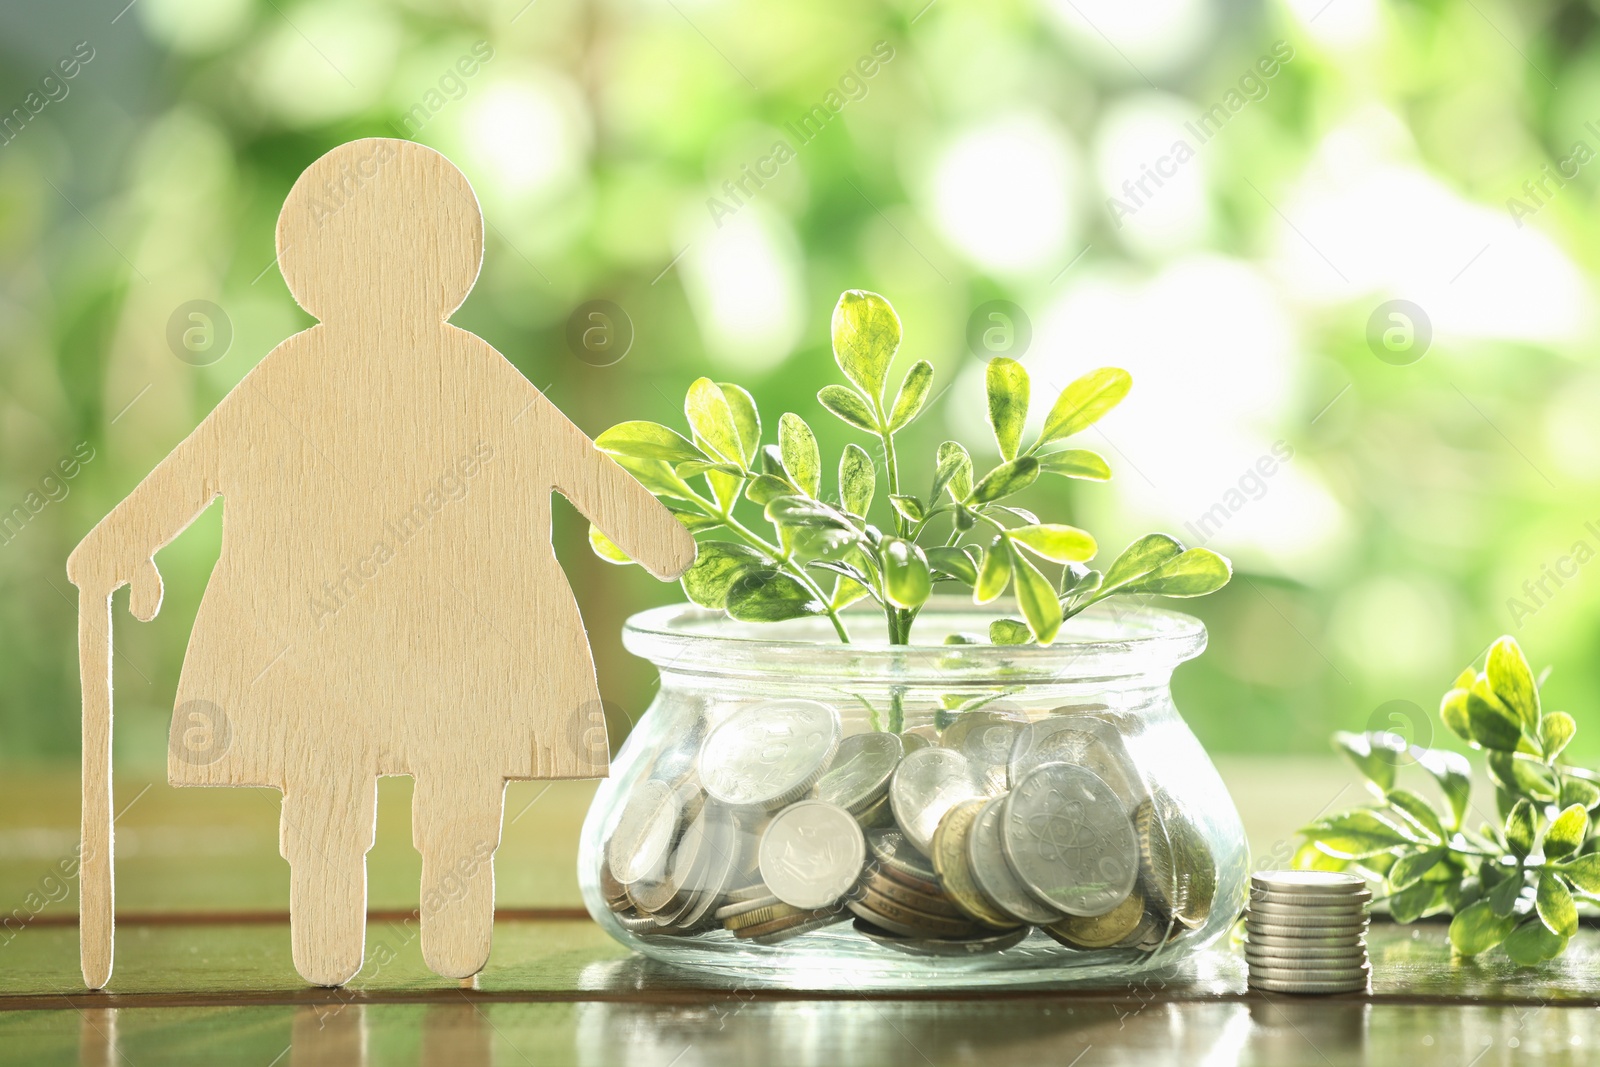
pixel 1070 840
pixel 644 833
pixel 1082 740
pixel 993 873
pixel 1100 931
pixel 926 785
pixel 811 854
pixel 767 755
pixel 955 871
pixel 860 771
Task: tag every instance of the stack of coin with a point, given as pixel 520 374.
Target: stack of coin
pixel 947 842
pixel 1306 932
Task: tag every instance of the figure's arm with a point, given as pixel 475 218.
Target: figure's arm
pixel 610 497
pixel 122 546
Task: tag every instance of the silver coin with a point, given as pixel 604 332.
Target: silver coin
pixel 1310 974
pixel 741 907
pixel 1070 840
pixel 891 849
pixel 1307 882
pixel 986 737
pixel 926 785
pixel 986 856
pixel 1277 943
pixel 769 754
pixel 811 854
pixel 1310 900
pixel 1348 958
pixel 860 771
pixel 953 946
pixel 685 867
pixel 644 833
pixel 1282 930
pixel 1272 910
pixel 1308 988
pixel 711 882
pixel 1081 740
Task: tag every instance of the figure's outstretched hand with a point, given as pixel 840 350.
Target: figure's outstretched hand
pixel 100 565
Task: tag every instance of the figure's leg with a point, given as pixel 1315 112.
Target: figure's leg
pixel 455 824
pixel 325 834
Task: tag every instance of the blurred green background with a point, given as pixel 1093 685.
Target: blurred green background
pixel 1280 171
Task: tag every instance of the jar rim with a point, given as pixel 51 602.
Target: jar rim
pixel 1101 643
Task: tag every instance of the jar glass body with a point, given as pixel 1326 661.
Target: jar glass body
pixel 671 859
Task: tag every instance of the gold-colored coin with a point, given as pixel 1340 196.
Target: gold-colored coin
pixel 758 916
pixel 1176 868
pixel 1101 931
pixel 896 917
pixel 877 814
pixel 950 860
pixel 932 903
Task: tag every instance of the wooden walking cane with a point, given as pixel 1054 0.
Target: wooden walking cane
pixel 96 889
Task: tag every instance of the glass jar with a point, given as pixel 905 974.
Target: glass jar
pixel 854 816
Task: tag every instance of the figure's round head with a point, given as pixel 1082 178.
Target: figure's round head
pixel 380 228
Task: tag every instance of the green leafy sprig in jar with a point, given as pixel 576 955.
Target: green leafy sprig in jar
pixel 826 550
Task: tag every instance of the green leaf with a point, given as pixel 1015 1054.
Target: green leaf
pixel 1374 755
pixel 912 395
pixel 1519 828
pixel 1477 929
pixel 1417 811
pixel 1410 869
pixel 605 548
pixel 952 562
pixel 1407 905
pixel 1490 727
pixel 1532 943
pixel 1010 477
pixel 1076 463
pixel 848 406
pixel 711 419
pixel 648 440
pixel 770 596
pixel 1140 558
pixel 801 458
pixel 1453 713
pixel 1037 599
pixel 1512 682
pixel 1082 403
pixel 1583 872
pixel 1523 777
pixel 1007 384
pixel 907 506
pixel 1055 542
pixel 1554 902
pixel 1357 834
pixel 765 488
pixel 954 470
pixel 656 476
pixel 1504 896
pixel 1009 632
pixel 1578 791
pixel 1566 832
pixel 866 335
pixel 994 574
pixel 745 418
pixel 857 479
pixel 846 591
pixel 1555 733
pixel 1454 775
pixel 1193 572
pixel 716 567
pixel 689 468
pixel 906 579
pixel 810 525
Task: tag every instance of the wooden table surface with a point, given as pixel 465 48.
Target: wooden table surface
pixel 204 976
